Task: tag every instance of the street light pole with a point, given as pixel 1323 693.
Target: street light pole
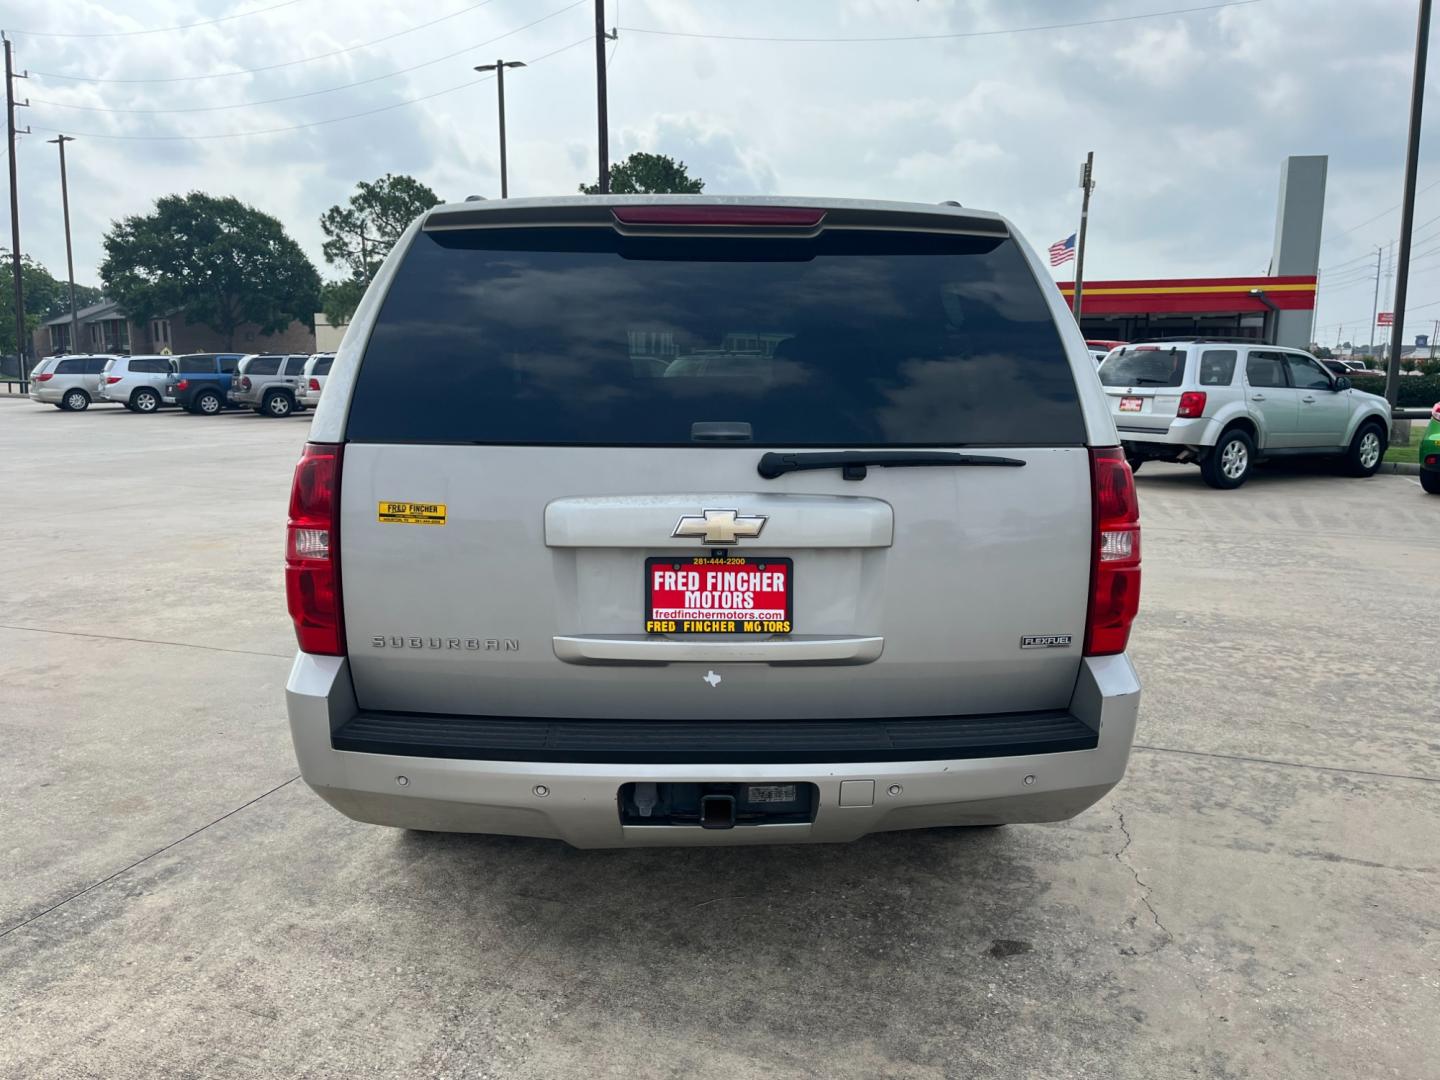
pixel 1087 182
pixel 602 105
pixel 499 68
pixel 11 131
pixel 1407 207
pixel 60 141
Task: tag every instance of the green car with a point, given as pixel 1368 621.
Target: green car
pixel 1430 454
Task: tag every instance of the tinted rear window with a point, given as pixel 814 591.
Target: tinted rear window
pixel 261 365
pixel 150 366
pixel 564 336
pixel 195 365
pixel 1144 367
pixel 1217 367
pixel 322 366
pixel 75 366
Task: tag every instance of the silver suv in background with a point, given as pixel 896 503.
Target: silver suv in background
pixel 312 379
pixel 137 382
pixel 267 383
pixel 70 383
pixel 1223 405
pixel 725 535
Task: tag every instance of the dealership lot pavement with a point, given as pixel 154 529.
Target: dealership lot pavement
pixel 1261 897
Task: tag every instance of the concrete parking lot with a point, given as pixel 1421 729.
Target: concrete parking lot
pixel 1261 897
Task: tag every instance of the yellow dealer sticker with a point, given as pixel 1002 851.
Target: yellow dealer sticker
pixel 412 513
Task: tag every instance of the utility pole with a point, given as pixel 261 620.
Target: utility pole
pixel 601 93
pixel 1407 206
pixel 60 141
pixel 10 106
pixel 1087 184
pixel 1375 304
pixel 499 68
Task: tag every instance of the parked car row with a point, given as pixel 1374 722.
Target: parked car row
pixel 271 384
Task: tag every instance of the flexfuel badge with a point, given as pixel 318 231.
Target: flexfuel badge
pixel 412 513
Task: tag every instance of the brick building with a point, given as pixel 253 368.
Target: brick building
pixel 104 328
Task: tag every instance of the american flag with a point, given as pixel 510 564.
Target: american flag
pixel 1062 250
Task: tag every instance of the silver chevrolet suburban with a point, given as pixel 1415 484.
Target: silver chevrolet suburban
pixel 734 521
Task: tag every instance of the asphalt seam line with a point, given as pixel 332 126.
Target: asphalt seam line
pixel 1289 764
pixel 159 851
pixel 144 641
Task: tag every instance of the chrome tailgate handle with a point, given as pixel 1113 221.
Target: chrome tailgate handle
pixel 644 649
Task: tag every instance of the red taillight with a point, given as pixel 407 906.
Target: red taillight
pixel 244 382
pixel 314 384
pixel 1115 561
pixel 312 551
pixel 1192 404
pixel 785 217
pixel 1432 459
pixel 113 379
pixel 183 384
pixel 45 376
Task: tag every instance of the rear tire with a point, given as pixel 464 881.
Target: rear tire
pixel 1367 451
pixel 144 400
pixel 207 403
pixel 1430 481
pixel 1228 465
pixel 75 401
pixel 277 405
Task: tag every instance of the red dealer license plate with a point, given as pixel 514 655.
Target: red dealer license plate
pixel 718 595
pixel 1129 404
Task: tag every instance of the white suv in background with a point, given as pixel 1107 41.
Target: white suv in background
pixel 312 380
pixel 1225 405
pixel 137 382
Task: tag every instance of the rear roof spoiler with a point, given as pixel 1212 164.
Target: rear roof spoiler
pixel 593 212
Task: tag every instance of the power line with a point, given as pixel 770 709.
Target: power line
pixel 159 29
pixel 268 67
pixel 1377 217
pixel 939 37
pixel 313 123
pixel 1368 254
pixel 312 93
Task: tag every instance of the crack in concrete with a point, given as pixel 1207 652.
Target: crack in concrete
pixel 1144 886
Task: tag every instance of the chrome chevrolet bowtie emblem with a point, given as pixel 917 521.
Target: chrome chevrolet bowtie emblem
pixel 719 527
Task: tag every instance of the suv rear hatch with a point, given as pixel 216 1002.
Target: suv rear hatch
pixel 551 416
pixel 1144 384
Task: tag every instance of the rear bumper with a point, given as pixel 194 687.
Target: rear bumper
pixel 41 392
pixel 579 805
pixel 1197 432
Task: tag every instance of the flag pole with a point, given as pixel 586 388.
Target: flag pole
pixel 1087 184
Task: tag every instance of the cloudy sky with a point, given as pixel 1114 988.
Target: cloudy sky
pixel 1189 114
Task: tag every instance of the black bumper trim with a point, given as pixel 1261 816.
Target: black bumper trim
pixel 685 742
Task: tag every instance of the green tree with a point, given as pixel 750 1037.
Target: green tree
pixel 339 299
pixel 649 174
pixel 45 297
pixel 212 259
pixel 360 233
pixel 1321 351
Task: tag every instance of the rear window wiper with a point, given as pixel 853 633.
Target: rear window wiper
pixel 852 463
